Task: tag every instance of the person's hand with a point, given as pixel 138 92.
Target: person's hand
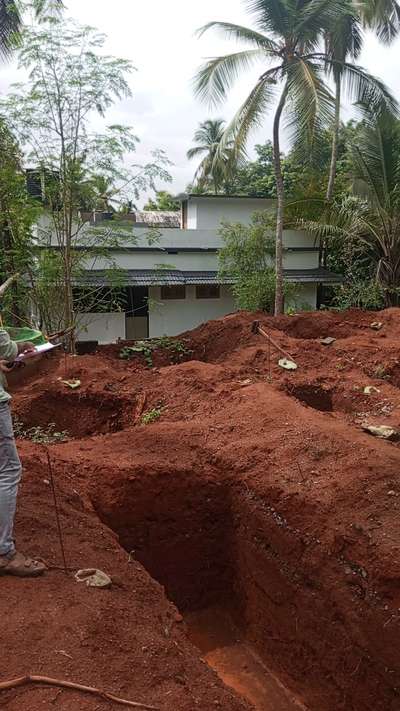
pixel 26 347
pixel 5 366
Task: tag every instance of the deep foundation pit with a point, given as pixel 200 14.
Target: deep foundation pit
pixel 261 609
pixel 186 539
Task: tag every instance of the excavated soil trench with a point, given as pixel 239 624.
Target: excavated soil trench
pixel 193 540
pixel 75 414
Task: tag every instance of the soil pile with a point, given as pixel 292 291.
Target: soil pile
pixel 218 480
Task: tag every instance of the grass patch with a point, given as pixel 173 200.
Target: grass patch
pixel 151 416
pixel 176 349
pixel 39 435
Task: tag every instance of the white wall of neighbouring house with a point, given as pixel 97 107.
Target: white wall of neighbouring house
pixel 191 215
pixel 174 316
pixel 210 212
pixel 305 297
pixel 101 327
pixel 203 260
pixel 188 261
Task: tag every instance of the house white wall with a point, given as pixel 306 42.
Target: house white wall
pixel 192 215
pixel 101 327
pixel 191 261
pixel 305 297
pixel 197 261
pixel 178 315
pixel 175 316
pixel 212 211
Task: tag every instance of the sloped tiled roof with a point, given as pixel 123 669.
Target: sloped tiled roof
pixel 171 277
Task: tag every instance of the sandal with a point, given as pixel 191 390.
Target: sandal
pixel 20 566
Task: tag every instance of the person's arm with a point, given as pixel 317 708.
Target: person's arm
pixel 10 349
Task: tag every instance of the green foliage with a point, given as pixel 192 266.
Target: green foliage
pixel 255 178
pixel 164 202
pixel 70 78
pixel 246 260
pixel 38 434
pixel 151 416
pixel 176 348
pixel 360 294
pixel 17 215
pixel 362 230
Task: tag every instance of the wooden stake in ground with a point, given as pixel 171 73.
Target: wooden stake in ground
pixel 53 488
pixel 32 679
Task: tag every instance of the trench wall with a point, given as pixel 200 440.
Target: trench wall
pixel 208 542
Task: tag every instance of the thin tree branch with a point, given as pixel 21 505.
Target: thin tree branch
pixel 32 679
pixel 7 283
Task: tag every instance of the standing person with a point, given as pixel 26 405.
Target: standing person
pixel 11 561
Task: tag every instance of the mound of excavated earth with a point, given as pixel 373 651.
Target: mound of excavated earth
pixel 251 527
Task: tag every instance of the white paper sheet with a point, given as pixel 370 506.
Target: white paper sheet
pixel 44 348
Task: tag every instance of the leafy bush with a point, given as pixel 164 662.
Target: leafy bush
pixel 246 259
pixel 366 294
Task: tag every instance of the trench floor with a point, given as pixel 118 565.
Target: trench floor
pixel 226 651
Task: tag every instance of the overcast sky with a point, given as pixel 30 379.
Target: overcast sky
pixel 159 38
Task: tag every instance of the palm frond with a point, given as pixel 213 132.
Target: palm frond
pixel 270 15
pixel 344 39
pixel 217 76
pixel 315 16
pixel 375 157
pixel 311 109
pixel 11 21
pixel 349 217
pixel 10 26
pixel 242 34
pixel 382 16
pixel 250 114
pixel 369 171
pixel 360 85
pixel 47 7
pixel 196 152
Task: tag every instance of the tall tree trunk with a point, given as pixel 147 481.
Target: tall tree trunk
pixel 333 167
pixel 335 142
pixel 280 206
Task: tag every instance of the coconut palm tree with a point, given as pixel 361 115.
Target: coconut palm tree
pixel 11 21
pixel 215 165
pixel 288 34
pixel 344 42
